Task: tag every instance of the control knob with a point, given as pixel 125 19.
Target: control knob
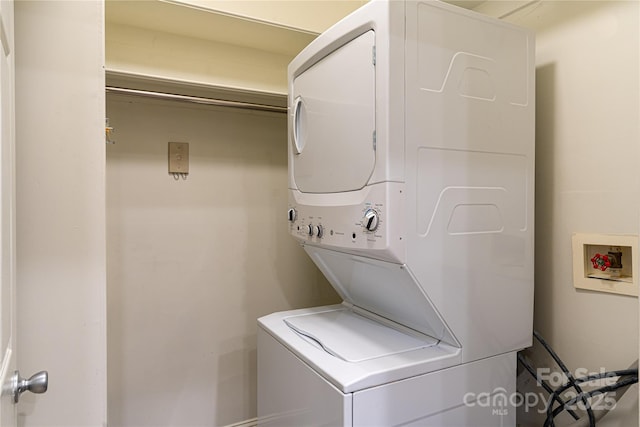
pixel 371 220
pixel 317 230
pixel 308 229
pixel 291 215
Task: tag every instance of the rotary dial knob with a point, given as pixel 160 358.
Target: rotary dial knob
pixel 371 220
pixel 291 214
pixel 308 229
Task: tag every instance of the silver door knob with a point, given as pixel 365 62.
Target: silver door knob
pixel 36 384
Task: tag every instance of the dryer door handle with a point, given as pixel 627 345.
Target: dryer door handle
pixel 299 123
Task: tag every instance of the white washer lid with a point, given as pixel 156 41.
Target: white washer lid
pixel 387 289
pixel 353 337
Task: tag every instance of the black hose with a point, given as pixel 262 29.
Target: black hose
pixel 627 377
pixel 570 378
pixel 544 385
pixel 624 382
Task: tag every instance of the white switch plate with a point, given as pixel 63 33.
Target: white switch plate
pixel 178 157
pixel 585 276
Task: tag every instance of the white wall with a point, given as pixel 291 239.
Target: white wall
pixel 61 210
pixel 193 263
pixel 587 174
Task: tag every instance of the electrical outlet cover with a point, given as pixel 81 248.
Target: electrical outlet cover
pixel 179 157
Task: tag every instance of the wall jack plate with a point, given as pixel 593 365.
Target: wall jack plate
pixel 179 157
pixel 605 263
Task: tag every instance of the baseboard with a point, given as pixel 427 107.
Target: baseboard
pixel 253 422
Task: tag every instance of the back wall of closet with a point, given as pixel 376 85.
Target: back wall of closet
pixel 192 263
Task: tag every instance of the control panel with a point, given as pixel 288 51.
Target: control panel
pixel 367 225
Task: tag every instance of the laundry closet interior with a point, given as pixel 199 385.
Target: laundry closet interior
pixel 193 259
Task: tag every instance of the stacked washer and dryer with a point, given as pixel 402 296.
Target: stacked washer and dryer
pixel 411 186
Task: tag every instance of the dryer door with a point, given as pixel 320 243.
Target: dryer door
pixel 332 125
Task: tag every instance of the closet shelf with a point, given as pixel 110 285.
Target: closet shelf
pixel 156 84
pixel 198 22
pixel 216 102
pixel 195 49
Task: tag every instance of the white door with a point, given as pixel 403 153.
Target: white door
pixel 7 210
pixel 12 384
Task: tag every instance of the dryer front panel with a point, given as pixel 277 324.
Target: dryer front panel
pixel 332 120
